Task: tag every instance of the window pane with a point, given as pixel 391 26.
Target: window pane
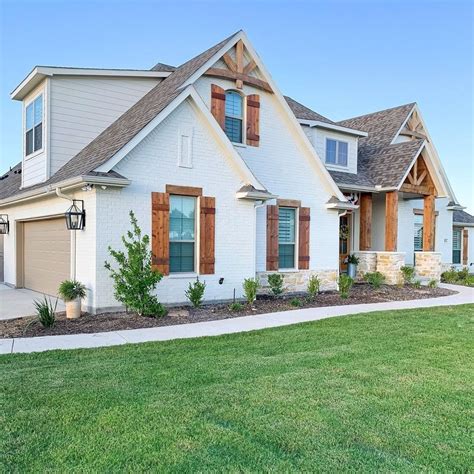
pixel 331 151
pixel 457 256
pixel 456 239
pixel 286 256
pixel 29 142
pixel 29 117
pixel 286 225
pixel 38 136
pixel 182 214
pixel 38 103
pixel 181 257
pixel 342 154
pixel 233 129
pixel 233 104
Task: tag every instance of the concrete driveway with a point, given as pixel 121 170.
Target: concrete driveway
pixel 17 303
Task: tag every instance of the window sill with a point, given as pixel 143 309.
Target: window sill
pixel 287 270
pixel 338 167
pixel 181 276
pixel 239 145
pixel 35 153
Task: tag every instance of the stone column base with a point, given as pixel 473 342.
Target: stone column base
pixel 428 265
pixel 389 264
pixel 296 281
pixel 367 263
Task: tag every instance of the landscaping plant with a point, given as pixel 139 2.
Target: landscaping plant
pixel 195 292
pixel 417 284
pixel 275 280
pixel 374 279
pixel 353 259
pixel 433 284
pixel 72 292
pixel 408 274
pixel 461 277
pixel 134 278
pixel 313 286
pixel 296 302
pixel 45 311
pixel 236 306
pixel 345 284
pixel 251 286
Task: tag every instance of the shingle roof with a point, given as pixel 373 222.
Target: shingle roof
pixel 462 217
pixel 162 67
pixel 10 181
pixel 305 113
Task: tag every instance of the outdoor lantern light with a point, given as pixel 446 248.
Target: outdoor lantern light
pixel 4 224
pixel 75 216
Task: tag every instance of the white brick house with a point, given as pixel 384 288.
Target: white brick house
pixel 230 178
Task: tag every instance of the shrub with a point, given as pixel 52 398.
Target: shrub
pixel 469 281
pixel 195 292
pixel 417 284
pixel 313 286
pixel 345 284
pixel 374 279
pixel 449 276
pixel 70 290
pixel 134 279
pixel 353 259
pixel 296 302
pixel 275 280
pixel 45 312
pixel 433 284
pixel 251 285
pixel 236 306
pixel 408 274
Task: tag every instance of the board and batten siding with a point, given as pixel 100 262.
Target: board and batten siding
pixel 82 107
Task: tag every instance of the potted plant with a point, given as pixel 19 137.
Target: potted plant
pixel 352 262
pixel 72 292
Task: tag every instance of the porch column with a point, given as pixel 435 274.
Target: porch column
pixel 428 223
pixel 365 231
pixel 391 221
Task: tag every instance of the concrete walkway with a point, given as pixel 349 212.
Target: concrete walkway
pixel 224 326
pixel 19 302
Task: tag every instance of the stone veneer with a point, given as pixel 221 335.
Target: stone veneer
pixel 387 263
pixel 367 263
pixel 295 281
pixel 428 265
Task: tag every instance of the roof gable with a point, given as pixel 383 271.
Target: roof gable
pixel 305 113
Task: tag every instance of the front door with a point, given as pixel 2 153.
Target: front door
pixel 344 241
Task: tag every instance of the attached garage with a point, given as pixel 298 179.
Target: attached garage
pixel 46 254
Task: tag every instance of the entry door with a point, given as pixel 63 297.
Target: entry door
pixel 344 240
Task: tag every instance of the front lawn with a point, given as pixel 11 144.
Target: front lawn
pixel 389 391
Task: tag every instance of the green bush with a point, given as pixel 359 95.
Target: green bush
pixel 195 292
pixel 296 302
pixel 275 280
pixel 313 286
pixel 251 286
pixel 345 284
pixel 69 290
pixel 374 279
pixel 433 284
pixel 469 281
pixel 417 284
pixel 135 279
pixel 408 274
pixel 45 312
pixel 461 277
pixel 353 259
pixel 449 276
pixel 236 306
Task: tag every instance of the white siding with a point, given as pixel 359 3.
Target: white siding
pixel 34 170
pixel 319 142
pixel 82 107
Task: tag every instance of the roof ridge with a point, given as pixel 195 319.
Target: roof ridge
pixel 412 104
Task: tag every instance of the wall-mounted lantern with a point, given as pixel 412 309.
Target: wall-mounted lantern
pixel 76 216
pixel 4 224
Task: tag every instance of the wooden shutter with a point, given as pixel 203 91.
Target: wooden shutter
pixel 272 238
pixel 207 229
pixel 160 232
pixel 465 246
pixel 303 244
pixel 253 120
pixel 218 104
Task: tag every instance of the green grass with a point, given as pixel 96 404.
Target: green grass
pixel 388 391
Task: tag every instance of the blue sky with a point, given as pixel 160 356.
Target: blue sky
pixel 342 58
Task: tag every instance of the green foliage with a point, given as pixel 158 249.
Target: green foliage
pixel 134 279
pixel 353 259
pixel 251 286
pixel 433 284
pixel 313 286
pixel 374 279
pixel 70 290
pixel 195 292
pixel 296 302
pixel 408 274
pixel 45 311
pixel 469 281
pixel 345 284
pixel 275 280
pixel 461 277
pixel 236 306
pixel 417 284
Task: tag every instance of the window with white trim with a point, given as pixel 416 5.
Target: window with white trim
pixel 336 152
pixel 34 126
pixel 457 239
pixel 418 242
pixel 182 233
pixel 234 116
pixel 286 237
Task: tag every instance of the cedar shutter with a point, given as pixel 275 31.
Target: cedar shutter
pixel 207 229
pixel 465 241
pixel 303 244
pixel 160 232
pixel 272 238
pixel 218 104
pixel 253 120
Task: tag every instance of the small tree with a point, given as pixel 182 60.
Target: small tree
pixel 313 286
pixel 251 286
pixel 134 279
pixel 275 280
pixel 345 285
pixel 195 292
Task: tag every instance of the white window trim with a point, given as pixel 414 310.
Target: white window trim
pixel 242 144
pixel 296 243
pixel 43 116
pixel 336 165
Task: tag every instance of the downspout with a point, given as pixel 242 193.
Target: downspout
pixel 73 240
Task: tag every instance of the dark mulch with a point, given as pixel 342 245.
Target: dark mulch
pixel 87 323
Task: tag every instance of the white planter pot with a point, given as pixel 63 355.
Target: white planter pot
pixel 73 309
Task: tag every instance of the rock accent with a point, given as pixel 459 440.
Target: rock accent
pixel 367 263
pixel 428 265
pixel 296 281
pixel 389 264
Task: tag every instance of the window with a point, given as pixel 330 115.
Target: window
pixel 182 233
pixel 34 126
pixel 418 232
pixel 457 237
pixel 336 152
pixel 233 116
pixel 286 237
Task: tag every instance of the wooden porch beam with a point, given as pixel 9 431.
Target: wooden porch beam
pixel 391 221
pixel 226 74
pixel 365 236
pixel 428 223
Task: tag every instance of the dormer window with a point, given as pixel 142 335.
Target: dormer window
pixel 234 116
pixel 34 126
pixel 336 152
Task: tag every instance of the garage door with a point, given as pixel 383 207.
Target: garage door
pixel 47 255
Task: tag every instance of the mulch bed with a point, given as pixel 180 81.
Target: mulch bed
pixel 88 323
